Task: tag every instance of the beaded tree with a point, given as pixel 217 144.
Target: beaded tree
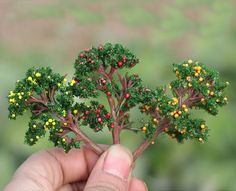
pixel 51 100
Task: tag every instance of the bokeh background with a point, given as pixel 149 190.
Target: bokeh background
pixel 160 32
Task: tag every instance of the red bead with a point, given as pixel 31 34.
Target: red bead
pixel 85 50
pixel 108 93
pixel 124 59
pixel 127 96
pixel 112 125
pixel 99 120
pixel 98 110
pixel 104 81
pixel 83 117
pixel 92 62
pixel 81 55
pixel 86 112
pixel 120 64
pixel 108 115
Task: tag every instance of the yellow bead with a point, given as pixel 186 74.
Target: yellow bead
pixel 189 85
pixel 207 84
pixel 196 74
pixel 188 78
pixel 200 139
pixel 190 61
pixel 186 110
pixel 153 142
pixel 179 112
pixel 227 83
pixel 176 115
pixel 53 123
pixel 64 140
pixel 34 126
pixel 50 120
pixel 225 98
pixel 37 137
pixel 155 121
pixel 61 130
pixel 47 123
pixel 65 124
pixel 20 97
pixel 38 74
pixel 30 78
pixel 72 82
pixel 144 128
pixel 200 79
pixel 184 106
pixel 13 115
pixel 75 111
pixel 64 80
pixel 31 140
pixel 211 93
pixel 58 84
pixel 202 126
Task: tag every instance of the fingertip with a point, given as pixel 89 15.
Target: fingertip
pixel 137 185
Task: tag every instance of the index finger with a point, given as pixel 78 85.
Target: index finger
pixel 52 168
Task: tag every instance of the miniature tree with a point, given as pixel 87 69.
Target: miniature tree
pixel 51 100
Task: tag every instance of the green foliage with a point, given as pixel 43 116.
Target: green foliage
pixel 53 107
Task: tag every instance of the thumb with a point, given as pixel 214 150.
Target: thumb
pixel 112 171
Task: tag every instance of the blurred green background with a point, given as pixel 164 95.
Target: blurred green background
pixel 160 32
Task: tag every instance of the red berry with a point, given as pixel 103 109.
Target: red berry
pixel 83 117
pixel 124 59
pixel 112 125
pixel 81 55
pixel 99 120
pixel 120 64
pixel 85 50
pixel 98 110
pixel 104 81
pixel 108 115
pixel 108 93
pixel 86 112
pixel 127 96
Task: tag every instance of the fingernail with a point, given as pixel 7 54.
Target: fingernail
pixel 118 162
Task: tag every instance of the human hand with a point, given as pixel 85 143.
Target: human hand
pixel 80 169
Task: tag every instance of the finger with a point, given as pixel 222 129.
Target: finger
pixel 50 169
pixel 77 186
pixel 137 185
pixel 112 171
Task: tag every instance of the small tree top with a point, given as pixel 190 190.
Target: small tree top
pixel 64 108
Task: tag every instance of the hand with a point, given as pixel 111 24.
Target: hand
pixel 80 169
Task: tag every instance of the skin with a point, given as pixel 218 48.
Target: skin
pixel 80 169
